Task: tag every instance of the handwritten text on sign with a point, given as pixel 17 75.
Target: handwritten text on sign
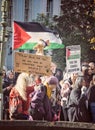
pixel 73 55
pixel 35 64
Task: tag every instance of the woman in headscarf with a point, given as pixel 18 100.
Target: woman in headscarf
pixel 19 98
pixel 77 109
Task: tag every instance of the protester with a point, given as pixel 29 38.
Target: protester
pixel 58 74
pixel 77 108
pixel 87 73
pixel 53 92
pixel 40 106
pixel 92 66
pixel 56 97
pixel 91 99
pixel 66 87
pixel 21 93
pixel 8 83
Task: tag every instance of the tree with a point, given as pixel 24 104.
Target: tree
pixel 77 25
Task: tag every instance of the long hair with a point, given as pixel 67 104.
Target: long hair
pixel 21 85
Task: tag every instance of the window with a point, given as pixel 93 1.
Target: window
pixel 49 8
pixel 26 10
pixel 10 12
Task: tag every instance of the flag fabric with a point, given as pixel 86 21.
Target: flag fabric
pixel 68 53
pixel 20 36
pixel 27 34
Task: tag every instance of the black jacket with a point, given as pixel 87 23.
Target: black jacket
pixel 77 110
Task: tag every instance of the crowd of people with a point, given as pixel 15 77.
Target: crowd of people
pixel 59 97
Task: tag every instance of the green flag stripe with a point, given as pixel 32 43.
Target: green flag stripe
pixel 29 46
pixel 54 46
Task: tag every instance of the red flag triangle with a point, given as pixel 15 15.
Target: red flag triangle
pixel 68 53
pixel 20 36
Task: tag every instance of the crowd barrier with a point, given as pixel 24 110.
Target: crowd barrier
pixel 44 125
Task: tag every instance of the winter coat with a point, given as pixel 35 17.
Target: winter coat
pixel 91 101
pixel 7 82
pixel 25 104
pixel 77 110
pixel 91 94
pixel 7 85
pixel 40 107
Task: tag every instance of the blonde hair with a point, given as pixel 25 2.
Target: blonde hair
pixel 21 85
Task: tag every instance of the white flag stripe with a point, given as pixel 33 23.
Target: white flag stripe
pixel 36 36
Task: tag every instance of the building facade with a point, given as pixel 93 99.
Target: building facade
pixel 26 10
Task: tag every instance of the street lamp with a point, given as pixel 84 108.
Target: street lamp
pixel 4 11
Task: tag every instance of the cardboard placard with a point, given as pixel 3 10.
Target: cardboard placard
pixel 31 63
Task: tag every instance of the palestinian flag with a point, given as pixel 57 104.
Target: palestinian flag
pixel 27 34
pixel 68 53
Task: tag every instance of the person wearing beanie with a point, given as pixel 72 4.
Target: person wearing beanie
pixel 51 83
pixel 53 92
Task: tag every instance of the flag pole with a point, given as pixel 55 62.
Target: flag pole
pixel 4 9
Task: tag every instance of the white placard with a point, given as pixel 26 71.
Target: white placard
pixel 73 55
